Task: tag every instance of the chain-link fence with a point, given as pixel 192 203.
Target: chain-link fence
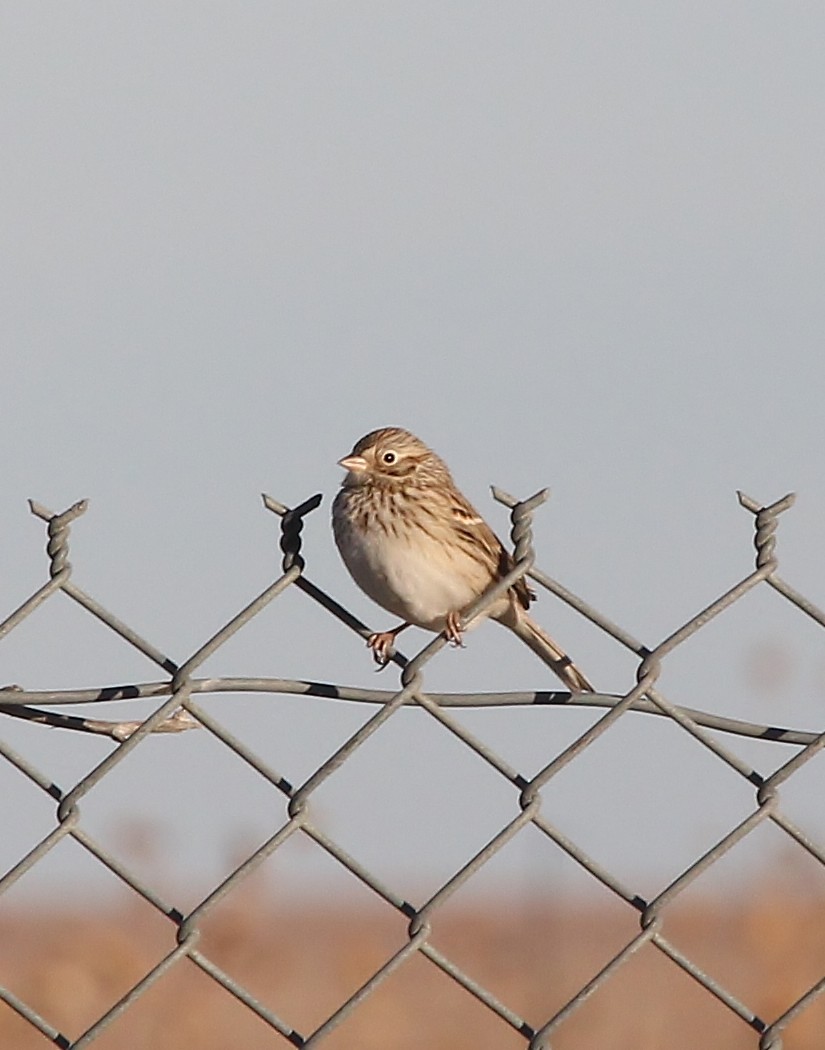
pixel 180 691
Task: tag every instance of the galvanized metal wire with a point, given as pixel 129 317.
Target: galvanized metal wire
pixel 180 690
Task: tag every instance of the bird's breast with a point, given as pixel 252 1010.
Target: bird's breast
pixel 406 570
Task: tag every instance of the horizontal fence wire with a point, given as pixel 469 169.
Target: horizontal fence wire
pixel 179 709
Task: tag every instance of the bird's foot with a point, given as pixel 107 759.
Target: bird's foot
pixel 452 629
pixel 382 644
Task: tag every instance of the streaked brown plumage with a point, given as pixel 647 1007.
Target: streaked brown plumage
pixel 416 546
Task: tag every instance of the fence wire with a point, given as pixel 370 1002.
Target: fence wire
pixel 180 690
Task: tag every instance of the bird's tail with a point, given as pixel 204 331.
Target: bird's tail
pixel 546 649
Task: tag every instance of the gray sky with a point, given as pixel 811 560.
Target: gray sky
pixel 576 245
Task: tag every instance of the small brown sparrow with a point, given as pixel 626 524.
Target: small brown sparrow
pixel 417 547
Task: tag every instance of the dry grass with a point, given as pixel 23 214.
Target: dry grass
pixel 73 966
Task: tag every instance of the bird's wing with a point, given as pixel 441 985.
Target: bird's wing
pixel 483 543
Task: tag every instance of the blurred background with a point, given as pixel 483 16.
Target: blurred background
pixel 574 245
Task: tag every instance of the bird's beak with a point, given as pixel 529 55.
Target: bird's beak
pixel 355 464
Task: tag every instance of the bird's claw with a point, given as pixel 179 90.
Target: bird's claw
pixel 452 629
pixel 381 644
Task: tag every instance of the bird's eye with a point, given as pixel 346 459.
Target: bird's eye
pixel 389 458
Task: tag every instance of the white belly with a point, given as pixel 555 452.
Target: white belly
pixel 415 581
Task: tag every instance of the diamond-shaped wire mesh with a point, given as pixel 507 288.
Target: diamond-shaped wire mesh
pixel 415 942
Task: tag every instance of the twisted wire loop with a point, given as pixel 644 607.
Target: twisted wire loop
pixel 765 524
pixel 57 549
pixel 57 530
pixel 179 708
pixel 521 518
pixel 292 524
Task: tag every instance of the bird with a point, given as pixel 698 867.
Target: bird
pixel 418 548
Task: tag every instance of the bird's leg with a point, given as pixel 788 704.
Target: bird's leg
pixel 382 643
pixel 452 628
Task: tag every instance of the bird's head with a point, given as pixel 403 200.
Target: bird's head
pixel 392 457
